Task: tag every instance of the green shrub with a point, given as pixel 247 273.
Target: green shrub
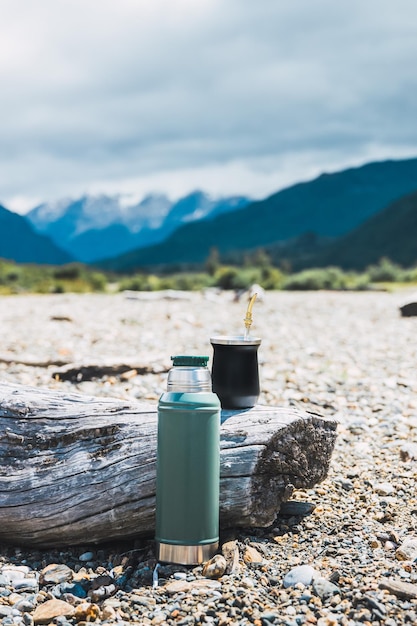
pixel 12 277
pixel 385 272
pixel 359 282
pixel 133 283
pixel 331 278
pixel 98 281
pixel 189 281
pixel 225 277
pixel 138 282
pixel 68 272
pixel 183 281
pixel 410 276
pixel 388 272
pixel 264 274
pixel 32 278
pixel 246 277
pixel 271 278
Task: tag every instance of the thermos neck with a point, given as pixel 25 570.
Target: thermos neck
pixel 189 379
pixel 189 374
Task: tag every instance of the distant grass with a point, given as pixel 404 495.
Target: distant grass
pixel 18 278
pixel 330 278
pixel 78 278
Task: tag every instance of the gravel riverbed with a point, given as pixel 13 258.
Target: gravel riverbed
pixel 346 553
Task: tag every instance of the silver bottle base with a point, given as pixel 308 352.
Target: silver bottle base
pixel 185 555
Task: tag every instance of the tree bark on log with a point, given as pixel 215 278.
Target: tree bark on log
pixel 76 469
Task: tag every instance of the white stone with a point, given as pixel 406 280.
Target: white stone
pixel 301 574
pixel 407 551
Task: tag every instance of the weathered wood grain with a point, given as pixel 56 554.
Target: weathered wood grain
pixel 77 469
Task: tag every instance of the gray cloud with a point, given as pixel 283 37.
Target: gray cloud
pixel 232 95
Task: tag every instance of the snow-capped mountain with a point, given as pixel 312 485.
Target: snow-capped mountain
pixel 96 227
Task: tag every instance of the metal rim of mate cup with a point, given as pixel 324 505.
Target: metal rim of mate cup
pixel 235 371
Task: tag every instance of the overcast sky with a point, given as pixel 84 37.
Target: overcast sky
pixel 231 96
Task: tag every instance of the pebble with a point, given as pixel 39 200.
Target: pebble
pixel 407 551
pixel 215 567
pixel 49 610
pixel 108 613
pixel 183 586
pixel 86 611
pixel 252 556
pixel 177 586
pixel 25 605
pixel 56 574
pixel 408 451
pixel 301 574
pixel 75 589
pixel 86 556
pixel 26 584
pixel 349 356
pixel 384 489
pixel 230 551
pixel 399 588
pixel 324 588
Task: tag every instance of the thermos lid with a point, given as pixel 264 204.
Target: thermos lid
pixel 189 361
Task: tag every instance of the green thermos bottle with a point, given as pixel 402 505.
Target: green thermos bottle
pixel 188 465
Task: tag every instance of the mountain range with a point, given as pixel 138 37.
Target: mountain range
pixel 93 227
pixel 349 218
pixel 322 210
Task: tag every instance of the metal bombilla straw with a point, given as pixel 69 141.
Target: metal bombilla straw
pixel 248 319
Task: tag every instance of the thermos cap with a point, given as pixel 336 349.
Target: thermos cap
pixel 189 361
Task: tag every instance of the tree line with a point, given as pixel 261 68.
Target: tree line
pixel 78 278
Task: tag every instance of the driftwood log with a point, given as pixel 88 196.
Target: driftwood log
pixel 76 469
